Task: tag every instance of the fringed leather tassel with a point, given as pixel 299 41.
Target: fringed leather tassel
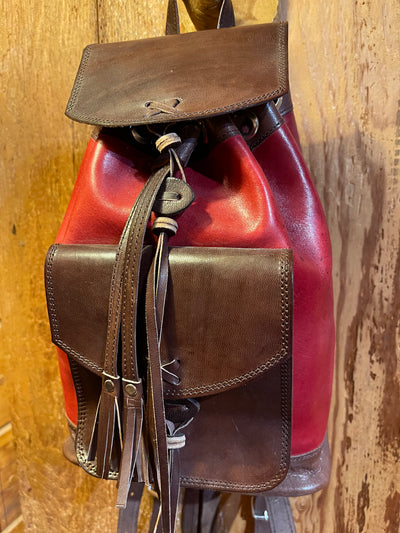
pixel 156 408
pixel 132 433
pixel 108 424
pixel 142 461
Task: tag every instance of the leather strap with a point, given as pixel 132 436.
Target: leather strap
pixel 128 517
pixel 191 511
pixel 207 19
pixel 123 306
pixel 272 515
pixel 200 511
pixel 122 295
pixel 132 389
pixel 156 407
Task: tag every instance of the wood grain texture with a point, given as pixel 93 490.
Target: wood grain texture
pixel 41 44
pixel 344 59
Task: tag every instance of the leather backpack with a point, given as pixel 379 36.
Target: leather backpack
pixel 190 289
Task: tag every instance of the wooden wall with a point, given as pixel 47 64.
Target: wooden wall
pixel 345 83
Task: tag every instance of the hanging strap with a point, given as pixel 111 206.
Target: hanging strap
pixel 207 18
pixel 128 517
pixel 122 324
pixel 133 403
pixel 272 515
pixel 122 293
pixel 155 402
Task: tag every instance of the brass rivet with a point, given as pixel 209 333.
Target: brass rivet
pixel 130 389
pixel 109 385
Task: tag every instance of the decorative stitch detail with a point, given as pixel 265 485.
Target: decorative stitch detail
pixel 283 352
pixel 94 119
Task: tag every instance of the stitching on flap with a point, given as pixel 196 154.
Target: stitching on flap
pixel 284 268
pixel 75 114
pixel 55 330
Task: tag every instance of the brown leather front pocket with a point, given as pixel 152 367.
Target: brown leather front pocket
pixel 228 319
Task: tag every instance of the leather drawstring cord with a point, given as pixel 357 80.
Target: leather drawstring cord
pixel 122 293
pixel 155 298
pixel 130 257
pixel 167 420
pixel 132 387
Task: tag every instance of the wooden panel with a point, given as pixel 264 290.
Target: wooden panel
pixel 10 508
pixel 344 76
pixel 4 407
pixel 41 45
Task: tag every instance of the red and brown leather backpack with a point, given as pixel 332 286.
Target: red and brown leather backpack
pixel 190 290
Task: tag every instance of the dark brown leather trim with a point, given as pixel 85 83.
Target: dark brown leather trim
pixel 307 473
pixel 285 105
pixel 269 120
pixel 78 311
pixel 267 467
pixel 187 76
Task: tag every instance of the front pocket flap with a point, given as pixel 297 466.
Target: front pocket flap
pixel 227 320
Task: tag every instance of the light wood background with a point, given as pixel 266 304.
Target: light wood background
pixel 344 58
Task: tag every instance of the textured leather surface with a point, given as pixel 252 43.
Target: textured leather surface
pixel 238 363
pixel 313 331
pixel 235 206
pixel 308 473
pixel 272 515
pixel 240 464
pixel 227 321
pixel 238 203
pixel 188 76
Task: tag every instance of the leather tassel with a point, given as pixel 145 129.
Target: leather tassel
pixel 108 422
pixel 132 431
pixel 143 467
pixel 93 439
pixel 156 409
pixel 156 290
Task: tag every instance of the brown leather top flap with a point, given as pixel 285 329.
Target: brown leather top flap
pixel 180 77
pixel 227 316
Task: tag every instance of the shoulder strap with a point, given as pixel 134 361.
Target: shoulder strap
pixel 214 14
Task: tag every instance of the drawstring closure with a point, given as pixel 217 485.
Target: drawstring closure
pixel 151 436
pixel 169 141
pixel 165 429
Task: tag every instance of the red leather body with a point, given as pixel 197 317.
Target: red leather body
pixel 290 121
pixel 268 201
pixel 313 322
